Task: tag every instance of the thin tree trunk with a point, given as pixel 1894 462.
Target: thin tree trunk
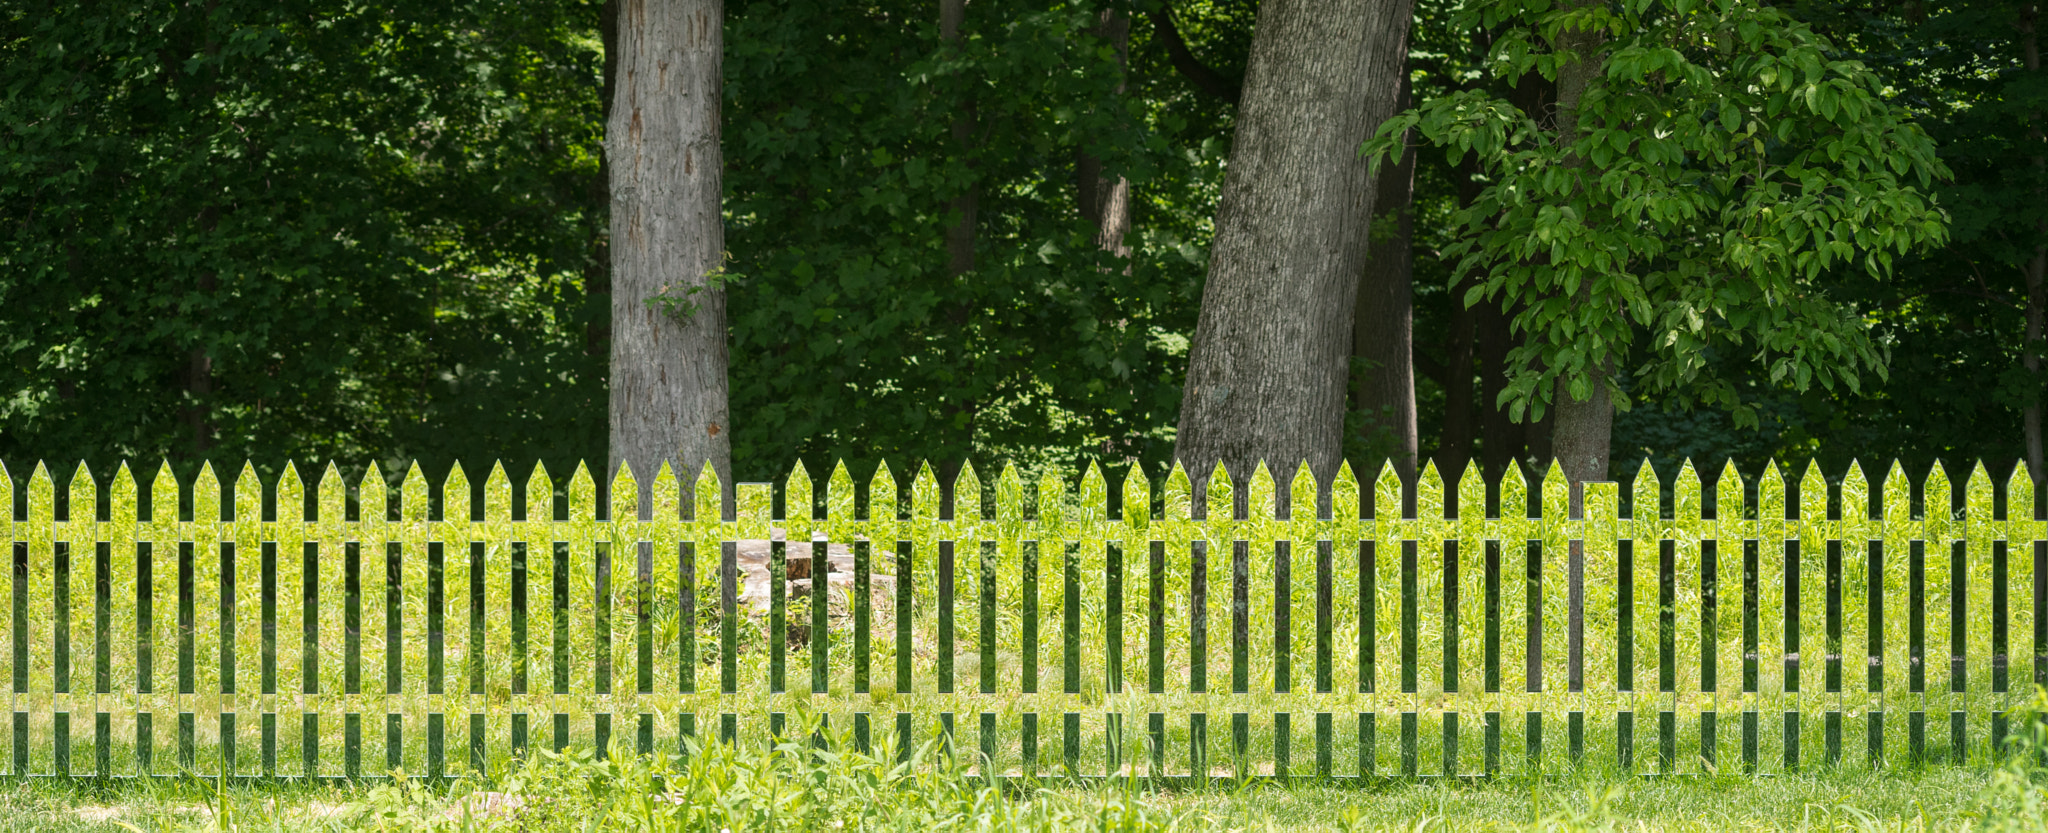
pixel 199 379
pixel 1460 411
pixel 1267 364
pixel 668 371
pixel 2037 266
pixel 1582 429
pixel 1461 419
pixel 1104 200
pixel 1503 441
pixel 1383 334
pixel 960 235
pixel 1508 442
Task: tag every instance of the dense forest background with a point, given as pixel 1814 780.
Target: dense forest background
pixel 338 232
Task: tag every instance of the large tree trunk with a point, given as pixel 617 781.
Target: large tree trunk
pixel 668 373
pixel 2037 266
pixel 1106 200
pixel 1582 429
pixel 1383 332
pixel 960 235
pixel 1267 365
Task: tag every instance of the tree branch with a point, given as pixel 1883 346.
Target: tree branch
pixel 1204 78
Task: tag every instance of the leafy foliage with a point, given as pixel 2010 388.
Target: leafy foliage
pixel 1722 164
pixel 374 225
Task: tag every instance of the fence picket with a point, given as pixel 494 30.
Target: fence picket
pixel 259 641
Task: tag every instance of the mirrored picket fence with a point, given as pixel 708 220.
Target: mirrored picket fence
pixel 1066 626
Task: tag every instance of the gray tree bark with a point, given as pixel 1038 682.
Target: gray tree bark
pixel 1383 333
pixel 1582 429
pixel 1267 366
pixel 668 372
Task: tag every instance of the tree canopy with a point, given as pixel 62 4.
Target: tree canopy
pixel 312 232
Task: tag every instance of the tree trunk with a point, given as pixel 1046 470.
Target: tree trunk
pixel 1582 429
pixel 668 371
pixel 1106 201
pixel 960 235
pixel 1454 445
pixel 1267 365
pixel 1503 441
pixel 1383 334
pixel 2037 266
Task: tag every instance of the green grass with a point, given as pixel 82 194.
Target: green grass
pixel 793 787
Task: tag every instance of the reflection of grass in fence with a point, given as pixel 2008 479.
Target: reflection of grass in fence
pixel 1021 587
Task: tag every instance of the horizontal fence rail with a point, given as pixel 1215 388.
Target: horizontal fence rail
pixel 333 630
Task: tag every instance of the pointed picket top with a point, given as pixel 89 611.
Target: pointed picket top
pixel 1855 499
pixel 373 495
pixel 582 495
pixel 1010 502
pixel 1094 509
pixel 839 499
pixel 1770 502
pixel 540 495
pixel 455 495
pixel 1387 490
pixel 623 504
pixel 1728 498
pixel 1813 498
pixel 1052 510
pixel 1688 506
pixel 1263 503
pixel 206 495
pixel 1301 495
pixel 1897 506
pixel 667 495
pixel 1646 512
pixel 1557 496
pixel 1137 499
pixel 1222 494
pixel 1344 496
pixel 85 496
pixel 1936 502
pixel 497 494
pixel 1977 504
pixel 882 515
pixel 1429 493
pixel 1471 497
pixel 707 500
pixel 291 496
pixel 967 496
pixel 755 503
pixel 924 495
pixel 2019 499
pixel 6 496
pixel 1178 503
pixel 122 509
pixel 1514 505
pixel 882 496
pixel 413 504
pixel 247 494
pixel 797 505
pixel 330 497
